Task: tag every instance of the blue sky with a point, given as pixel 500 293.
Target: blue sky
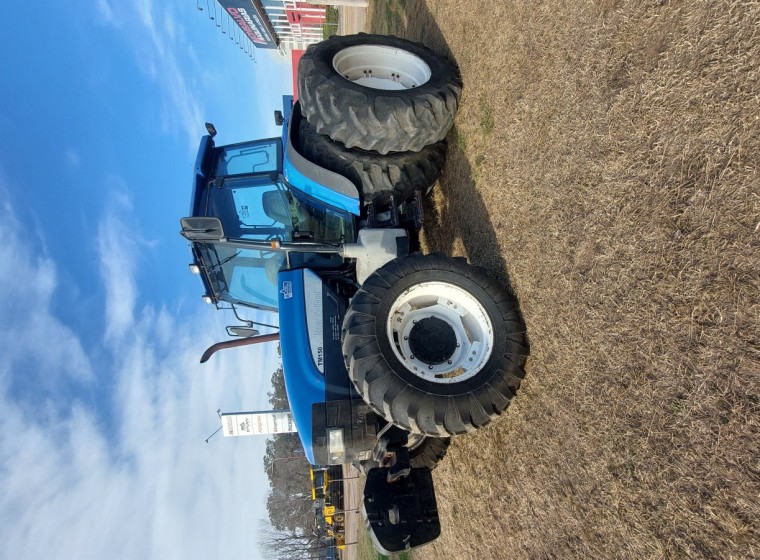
pixel 103 406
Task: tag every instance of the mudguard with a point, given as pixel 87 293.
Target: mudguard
pixel 310 328
pixel 317 182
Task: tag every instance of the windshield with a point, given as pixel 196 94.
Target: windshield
pixel 247 276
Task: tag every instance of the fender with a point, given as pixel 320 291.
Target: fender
pixel 324 185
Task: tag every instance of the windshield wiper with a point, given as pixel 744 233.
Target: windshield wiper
pixel 223 262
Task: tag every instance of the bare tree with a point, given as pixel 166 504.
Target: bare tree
pixel 289 503
pixel 289 545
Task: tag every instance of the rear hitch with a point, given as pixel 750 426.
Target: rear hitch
pixel 392 454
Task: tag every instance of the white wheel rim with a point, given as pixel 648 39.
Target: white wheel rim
pixel 466 317
pixel 381 67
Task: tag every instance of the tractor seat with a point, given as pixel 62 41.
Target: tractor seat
pixel 276 208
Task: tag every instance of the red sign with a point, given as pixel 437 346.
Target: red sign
pixel 306 14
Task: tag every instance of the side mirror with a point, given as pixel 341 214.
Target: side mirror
pixel 244 332
pixel 202 228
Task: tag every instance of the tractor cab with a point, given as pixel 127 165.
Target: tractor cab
pixel 248 223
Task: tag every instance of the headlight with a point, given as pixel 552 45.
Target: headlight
pixel 335 445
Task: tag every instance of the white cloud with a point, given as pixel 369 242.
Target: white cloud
pixel 126 475
pixel 34 341
pixel 105 12
pixel 118 248
pixel 157 39
pixel 200 73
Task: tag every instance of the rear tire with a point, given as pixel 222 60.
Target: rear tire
pixel 376 176
pixel 343 86
pixel 434 345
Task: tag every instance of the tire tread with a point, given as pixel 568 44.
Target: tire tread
pixel 378 120
pixel 414 408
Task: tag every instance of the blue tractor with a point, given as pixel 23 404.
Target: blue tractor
pixel 386 352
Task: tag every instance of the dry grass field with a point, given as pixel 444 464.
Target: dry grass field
pixel 604 164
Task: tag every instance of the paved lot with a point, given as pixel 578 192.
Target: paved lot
pixel 352 492
pixel 352 20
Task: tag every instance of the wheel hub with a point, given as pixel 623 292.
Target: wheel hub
pixel 432 340
pixel 440 332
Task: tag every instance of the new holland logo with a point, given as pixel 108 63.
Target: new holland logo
pixel 287 289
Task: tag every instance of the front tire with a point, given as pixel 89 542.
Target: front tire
pixel 435 345
pixel 376 176
pixel 428 451
pixel 378 92
pixel 423 452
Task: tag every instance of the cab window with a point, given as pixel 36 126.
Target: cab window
pixel 262 156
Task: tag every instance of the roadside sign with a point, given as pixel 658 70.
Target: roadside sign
pixel 258 423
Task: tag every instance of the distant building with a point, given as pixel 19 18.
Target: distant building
pixel 285 25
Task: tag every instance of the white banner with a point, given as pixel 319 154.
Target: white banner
pixel 257 423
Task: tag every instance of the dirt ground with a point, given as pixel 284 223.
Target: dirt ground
pixel 604 165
